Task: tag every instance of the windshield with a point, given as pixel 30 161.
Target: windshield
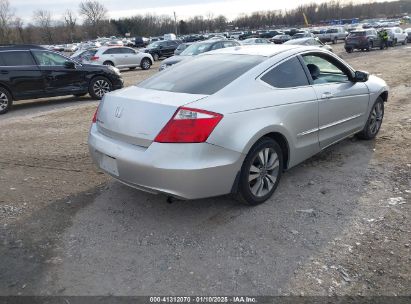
pixel 196 49
pixel 206 74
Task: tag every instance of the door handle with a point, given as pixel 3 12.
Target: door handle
pixel 327 95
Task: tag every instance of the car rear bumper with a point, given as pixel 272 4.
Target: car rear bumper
pixel 188 171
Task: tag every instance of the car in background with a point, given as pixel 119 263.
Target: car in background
pixel 115 42
pixel 121 57
pixel 83 55
pixel 408 31
pixel 181 48
pixel 333 35
pixel 364 40
pixel 255 41
pixel 29 72
pixel 139 42
pixel 163 48
pixel 302 35
pixel 235 35
pixel 396 35
pixel 309 42
pixel 197 49
pixel 270 34
pixel 231 121
pixel 280 39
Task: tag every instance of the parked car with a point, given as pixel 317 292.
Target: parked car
pixel 397 35
pixel 366 40
pixel 309 42
pixel 235 35
pixel 333 35
pixel 115 42
pixel 232 120
pixel 270 34
pixel 279 39
pixel 121 57
pixel 83 55
pixel 255 41
pixel 160 49
pixel 408 31
pixel 197 49
pixel 28 72
pixel 302 35
pixel 181 48
pixel 139 42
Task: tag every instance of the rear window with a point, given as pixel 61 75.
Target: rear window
pixel 205 74
pixel 16 58
pixel 357 34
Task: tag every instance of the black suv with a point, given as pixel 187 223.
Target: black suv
pixel 362 40
pixel 163 48
pixel 28 72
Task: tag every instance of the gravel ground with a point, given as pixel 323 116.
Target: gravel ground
pixel 339 223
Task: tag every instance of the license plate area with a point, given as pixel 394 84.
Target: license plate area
pixel 109 164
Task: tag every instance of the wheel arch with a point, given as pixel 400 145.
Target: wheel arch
pixel 6 87
pixel 384 96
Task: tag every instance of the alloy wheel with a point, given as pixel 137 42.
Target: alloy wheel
pixel 145 64
pixel 4 101
pixel 101 87
pixel 377 114
pixel 264 172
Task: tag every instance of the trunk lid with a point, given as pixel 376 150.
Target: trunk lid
pixel 136 115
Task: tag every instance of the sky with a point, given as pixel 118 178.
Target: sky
pixel 183 8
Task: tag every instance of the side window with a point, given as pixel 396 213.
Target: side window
pixel 110 51
pixel 17 58
pixel 45 58
pixel 127 51
pixel 288 74
pixel 216 46
pixel 322 70
pixel 228 44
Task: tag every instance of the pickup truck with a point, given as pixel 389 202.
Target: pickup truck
pixel 333 35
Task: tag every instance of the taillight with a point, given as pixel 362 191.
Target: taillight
pixel 94 120
pixel 94 58
pixel 189 126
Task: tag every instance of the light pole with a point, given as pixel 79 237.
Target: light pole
pixel 175 23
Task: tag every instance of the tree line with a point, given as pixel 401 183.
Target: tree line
pixel 90 21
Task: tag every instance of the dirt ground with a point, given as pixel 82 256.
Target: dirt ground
pixel 339 223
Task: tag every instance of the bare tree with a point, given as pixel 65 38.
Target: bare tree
pixel 6 18
pixel 44 21
pixel 94 14
pixel 70 20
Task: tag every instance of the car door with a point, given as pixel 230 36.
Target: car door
pixel 171 46
pixel 20 73
pixel 343 104
pixel 59 79
pixel 131 57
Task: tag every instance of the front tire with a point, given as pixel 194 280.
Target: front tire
pixel 6 101
pixel 261 172
pixel 99 86
pixel 374 121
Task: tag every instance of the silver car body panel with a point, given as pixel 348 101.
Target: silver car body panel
pixel 309 118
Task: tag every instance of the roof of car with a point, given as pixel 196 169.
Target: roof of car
pixel 20 47
pixel 267 50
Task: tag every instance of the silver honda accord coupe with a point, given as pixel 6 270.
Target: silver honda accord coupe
pixel 232 120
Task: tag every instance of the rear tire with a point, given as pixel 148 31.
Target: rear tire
pixel 349 50
pixel 374 121
pixel 6 101
pixel 145 64
pixel 261 172
pixel 99 86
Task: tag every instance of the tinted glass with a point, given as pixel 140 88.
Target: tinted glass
pixel 127 51
pixel 357 34
pixel 288 74
pixel 16 58
pixel 196 49
pixel 45 58
pixel 205 74
pixel 112 51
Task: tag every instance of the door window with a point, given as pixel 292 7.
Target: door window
pixel 16 58
pixel 322 70
pixel 45 58
pixel 217 46
pixel 288 74
pixel 113 51
pixel 127 51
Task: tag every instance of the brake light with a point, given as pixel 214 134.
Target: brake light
pixel 189 126
pixel 94 58
pixel 94 120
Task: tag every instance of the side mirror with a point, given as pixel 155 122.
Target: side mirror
pixel 361 76
pixel 69 65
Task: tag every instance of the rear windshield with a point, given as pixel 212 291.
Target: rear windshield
pixel 357 34
pixel 205 74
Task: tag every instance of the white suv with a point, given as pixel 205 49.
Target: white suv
pixel 397 35
pixel 122 57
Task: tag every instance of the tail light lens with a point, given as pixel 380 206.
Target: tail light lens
pixel 94 58
pixel 94 120
pixel 189 126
